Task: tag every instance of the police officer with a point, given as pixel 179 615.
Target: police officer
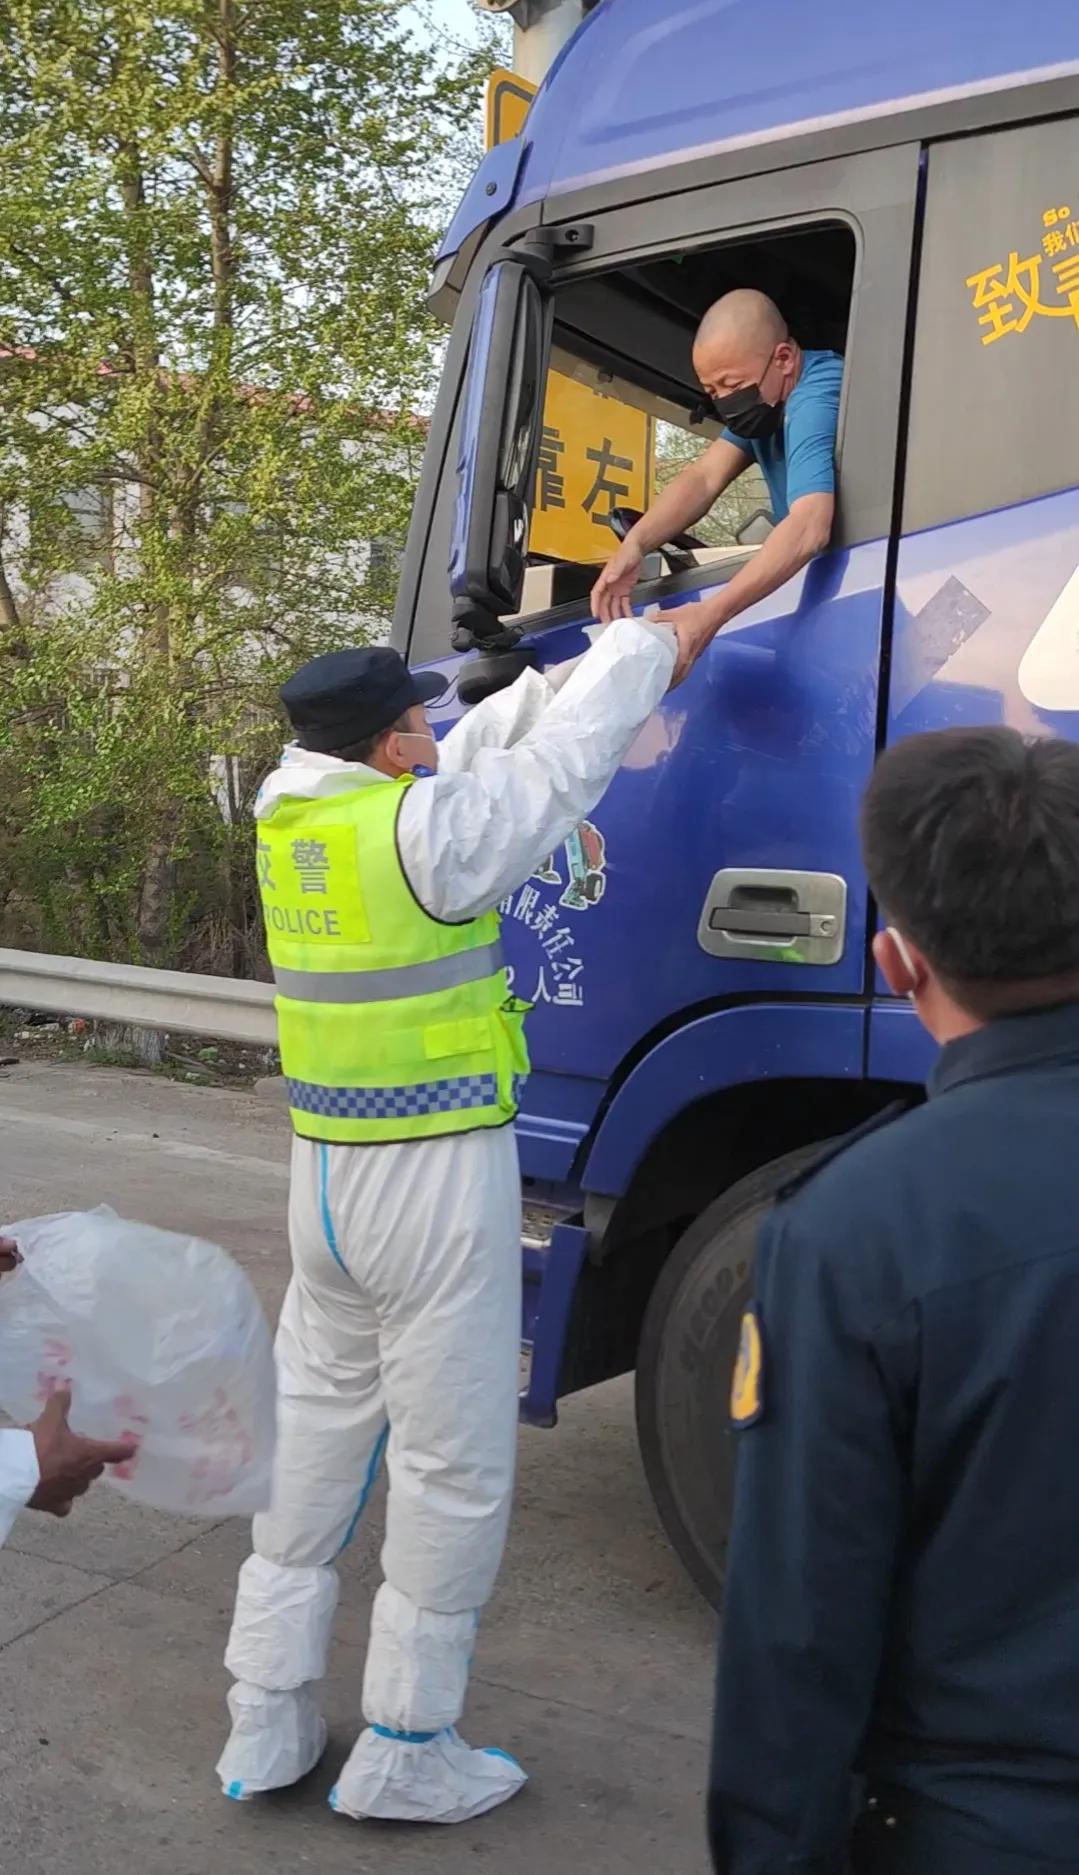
pixel 382 855
pixel 901 1623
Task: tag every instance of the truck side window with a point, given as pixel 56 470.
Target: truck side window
pixel 994 411
pixel 622 412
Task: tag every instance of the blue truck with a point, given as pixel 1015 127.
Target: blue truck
pixel 904 181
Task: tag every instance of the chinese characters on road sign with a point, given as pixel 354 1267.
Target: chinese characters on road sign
pixel 552 482
pixel 606 484
pixel 595 455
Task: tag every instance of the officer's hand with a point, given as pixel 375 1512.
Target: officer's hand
pixel 9 1256
pixel 611 592
pixel 68 1464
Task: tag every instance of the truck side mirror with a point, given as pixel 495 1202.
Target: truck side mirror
pixel 498 456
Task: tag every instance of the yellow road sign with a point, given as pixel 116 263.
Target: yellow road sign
pixel 508 99
pixel 596 453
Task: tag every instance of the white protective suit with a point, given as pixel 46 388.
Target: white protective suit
pixel 400 1330
pixel 20 1476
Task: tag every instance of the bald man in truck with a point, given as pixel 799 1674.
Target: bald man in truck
pixel 779 406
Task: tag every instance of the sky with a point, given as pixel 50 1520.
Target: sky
pixel 457 14
pixel 454 16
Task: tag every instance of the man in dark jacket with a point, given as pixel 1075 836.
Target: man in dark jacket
pixel 899 1670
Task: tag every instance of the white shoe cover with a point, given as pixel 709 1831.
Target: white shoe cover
pixel 433 1780
pixel 276 1739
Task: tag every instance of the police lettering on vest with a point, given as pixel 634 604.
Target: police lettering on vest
pixel 303 923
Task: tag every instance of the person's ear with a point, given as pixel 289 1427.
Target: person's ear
pixel 900 963
pixel 395 754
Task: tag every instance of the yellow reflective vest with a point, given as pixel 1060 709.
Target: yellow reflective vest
pixel 392 1025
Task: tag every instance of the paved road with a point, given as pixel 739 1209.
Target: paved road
pixel 593 1665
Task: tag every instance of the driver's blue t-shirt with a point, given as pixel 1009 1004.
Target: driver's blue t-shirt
pixel 800 458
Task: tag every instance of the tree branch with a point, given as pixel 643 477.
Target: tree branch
pixel 31 261
pixel 141 279
pixel 116 471
pixel 10 616
pixel 242 629
pixel 221 187
pixel 219 182
pixel 199 164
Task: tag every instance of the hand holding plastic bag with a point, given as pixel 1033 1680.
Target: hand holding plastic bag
pixel 68 1464
pixel 162 1341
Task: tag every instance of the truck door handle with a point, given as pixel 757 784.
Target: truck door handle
pixel 772 924
pixel 762 916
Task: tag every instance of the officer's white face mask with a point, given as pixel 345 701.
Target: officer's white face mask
pixel 421 769
pixel 901 946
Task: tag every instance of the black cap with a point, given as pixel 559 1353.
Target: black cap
pixel 347 696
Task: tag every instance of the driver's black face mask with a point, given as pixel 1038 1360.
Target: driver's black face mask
pixel 746 414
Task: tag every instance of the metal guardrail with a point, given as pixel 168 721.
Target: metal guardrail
pixel 176 1000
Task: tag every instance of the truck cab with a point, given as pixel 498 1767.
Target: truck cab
pixel 705 1009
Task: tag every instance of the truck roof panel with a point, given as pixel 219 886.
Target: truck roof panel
pixel 649 82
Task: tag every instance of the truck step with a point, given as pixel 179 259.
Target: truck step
pixel 538 1221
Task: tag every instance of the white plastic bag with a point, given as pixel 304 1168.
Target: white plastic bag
pixel 161 1339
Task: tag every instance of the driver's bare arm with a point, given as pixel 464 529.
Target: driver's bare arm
pixel 792 544
pixel 681 505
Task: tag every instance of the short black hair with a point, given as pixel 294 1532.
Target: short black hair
pixel 971 844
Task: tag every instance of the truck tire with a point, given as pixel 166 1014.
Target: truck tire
pixel 685 1362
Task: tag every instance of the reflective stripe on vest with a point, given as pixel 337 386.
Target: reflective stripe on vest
pixel 392 1025
pixel 395 1103
pixel 384 986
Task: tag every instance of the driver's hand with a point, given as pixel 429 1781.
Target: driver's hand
pixel 694 628
pixel 611 592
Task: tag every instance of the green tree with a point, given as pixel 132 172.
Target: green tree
pixel 216 227
pixel 748 496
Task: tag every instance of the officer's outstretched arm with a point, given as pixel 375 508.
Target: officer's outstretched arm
pixel 504 719
pixel 816 1528
pixel 498 722
pixel 468 839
